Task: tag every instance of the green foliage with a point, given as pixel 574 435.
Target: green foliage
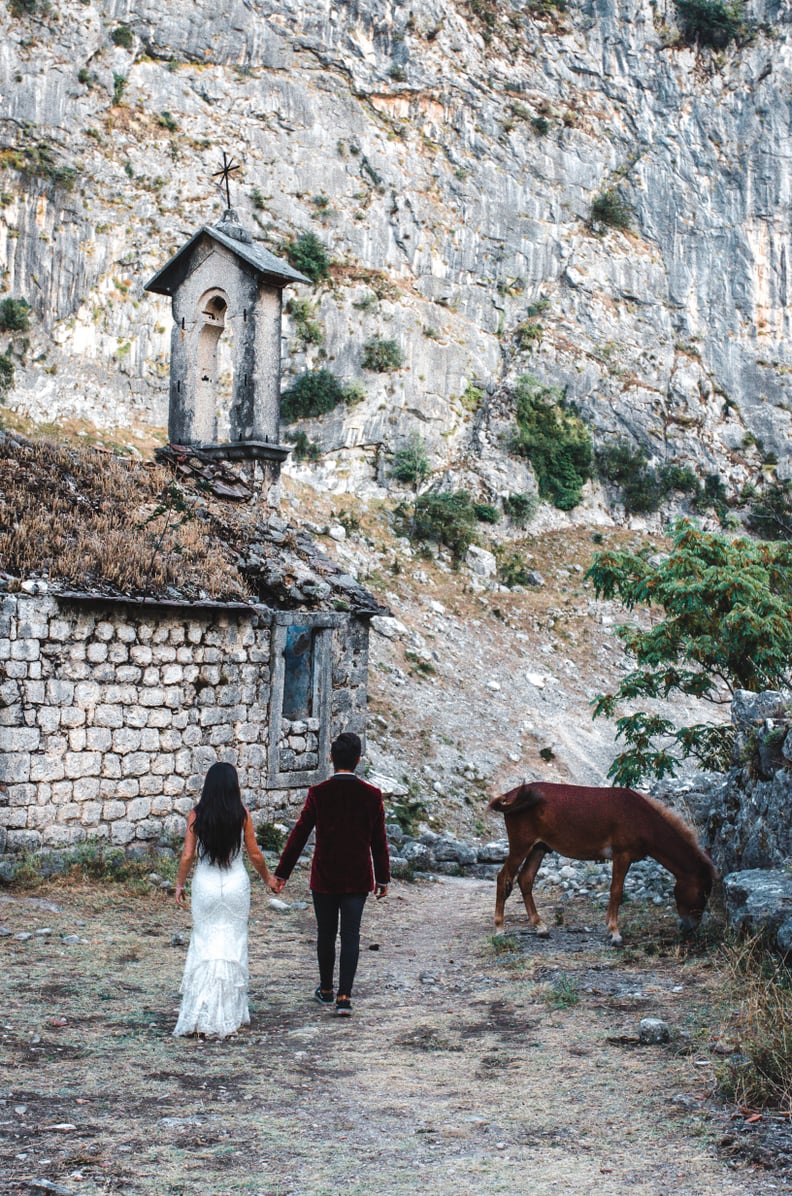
pixel 609 208
pixel 312 393
pixel 447 518
pixel 562 993
pixel 119 85
pixel 411 462
pixel 270 836
pixel 382 356
pixel 257 199
pixel 304 448
pixel 37 159
pixel 711 22
pixel 308 330
pixel 485 512
pixel 555 440
pixel 726 624
pixel 540 125
pixel 643 487
pixel 25 8
pixel 528 334
pixel 167 121
pixel 512 568
pixel 6 375
pixel 760 1075
pixel 407 811
pixel 14 315
pixel 770 514
pixel 308 255
pixel 520 507
pixel 122 36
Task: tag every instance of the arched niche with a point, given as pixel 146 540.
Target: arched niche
pixel 215 367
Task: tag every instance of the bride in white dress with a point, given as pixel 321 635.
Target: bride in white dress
pixel 215 983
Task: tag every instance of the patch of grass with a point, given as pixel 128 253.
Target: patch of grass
pixel 167 121
pixel 407 811
pixel 759 1075
pixel 512 568
pixel 504 944
pixel 382 356
pixel 562 993
pixel 89 519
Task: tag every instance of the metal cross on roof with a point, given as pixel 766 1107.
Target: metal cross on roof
pixel 228 166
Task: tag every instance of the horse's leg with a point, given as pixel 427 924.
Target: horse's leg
pixel 621 865
pixel 525 879
pixel 504 886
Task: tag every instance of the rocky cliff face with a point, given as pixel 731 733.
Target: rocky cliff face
pixel 448 155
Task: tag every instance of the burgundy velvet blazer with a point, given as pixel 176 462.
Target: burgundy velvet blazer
pixel 350 828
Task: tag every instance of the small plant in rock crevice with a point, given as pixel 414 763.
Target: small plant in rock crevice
pixel 611 209
pixel 382 356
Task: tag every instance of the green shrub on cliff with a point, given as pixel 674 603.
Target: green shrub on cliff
pixel 555 440
pixel 711 23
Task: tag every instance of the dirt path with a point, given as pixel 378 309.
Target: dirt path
pixel 463 1069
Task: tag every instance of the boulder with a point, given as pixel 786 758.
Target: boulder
pixel 759 900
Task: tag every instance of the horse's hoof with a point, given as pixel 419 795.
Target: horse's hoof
pixel 498 931
pixel 542 932
pixel 616 940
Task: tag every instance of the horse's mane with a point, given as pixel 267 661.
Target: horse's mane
pixel 677 823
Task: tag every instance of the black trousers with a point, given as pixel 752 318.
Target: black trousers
pixel 329 909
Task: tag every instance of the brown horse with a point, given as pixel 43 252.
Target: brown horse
pixel 595 824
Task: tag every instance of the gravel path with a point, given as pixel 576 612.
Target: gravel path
pixel 468 1066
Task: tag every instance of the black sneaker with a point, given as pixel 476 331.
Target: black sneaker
pixel 324 998
pixel 344 1007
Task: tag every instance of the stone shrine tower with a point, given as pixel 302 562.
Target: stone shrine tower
pixel 225 345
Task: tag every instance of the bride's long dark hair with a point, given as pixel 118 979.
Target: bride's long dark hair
pixel 220 815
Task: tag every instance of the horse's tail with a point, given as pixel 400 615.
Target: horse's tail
pixel 514 800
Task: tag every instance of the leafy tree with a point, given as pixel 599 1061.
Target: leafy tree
pixel 610 208
pixel 447 518
pixel 411 462
pixel 726 624
pixel 6 375
pixel 555 440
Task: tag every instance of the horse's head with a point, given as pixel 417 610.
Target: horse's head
pixel 691 893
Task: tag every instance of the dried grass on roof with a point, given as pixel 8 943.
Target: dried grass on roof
pixel 88 519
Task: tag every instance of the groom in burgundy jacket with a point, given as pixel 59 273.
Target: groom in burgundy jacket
pixel 349 818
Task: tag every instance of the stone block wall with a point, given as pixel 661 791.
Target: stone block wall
pixel 111 712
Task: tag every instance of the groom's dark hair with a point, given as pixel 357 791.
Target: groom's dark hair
pixel 346 750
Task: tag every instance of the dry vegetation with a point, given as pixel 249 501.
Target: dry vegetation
pixel 91 520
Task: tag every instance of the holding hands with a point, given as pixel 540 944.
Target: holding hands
pixel 276 884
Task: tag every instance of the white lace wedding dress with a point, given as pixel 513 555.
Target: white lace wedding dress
pixel 214 987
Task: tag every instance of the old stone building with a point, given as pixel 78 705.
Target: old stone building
pixel 113 705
